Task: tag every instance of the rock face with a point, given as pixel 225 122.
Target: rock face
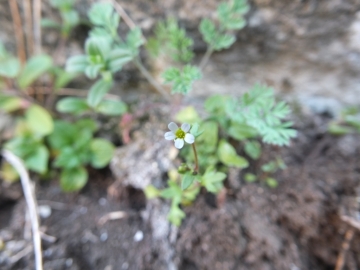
pixel 301 48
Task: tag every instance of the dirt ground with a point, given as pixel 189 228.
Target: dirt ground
pixel 294 226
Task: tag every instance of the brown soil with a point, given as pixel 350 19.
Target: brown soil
pixel 294 226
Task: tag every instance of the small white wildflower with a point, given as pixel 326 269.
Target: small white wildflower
pixel 179 135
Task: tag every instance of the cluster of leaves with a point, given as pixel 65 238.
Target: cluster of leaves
pixel 231 17
pixel 173 40
pixel 38 138
pixel 72 154
pixel 105 54
pixel 69 16
pixel 231 124
pixel 348 122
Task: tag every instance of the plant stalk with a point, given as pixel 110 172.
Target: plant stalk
pixel 196 169
pixel 151 79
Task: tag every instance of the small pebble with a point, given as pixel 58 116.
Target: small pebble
pixel 69 262
pixel 102 201
pixel 83 210
pixel 125 265
pixel 104 236
pixel 139 235
pixel 44 211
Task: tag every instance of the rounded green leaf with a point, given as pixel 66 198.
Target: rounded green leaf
pixel 253 149
pixel 250 177
pixel 39 120
pixel 10 104
pixel 9 67
pixel 97 92
pixel 228 156
pixel 38 160
pixel 76 64
pixel 111 107
pixel 102 152
pixel 34 68
pixel 187 180
pixel 72 105
pixel 73 179
pixel 271 182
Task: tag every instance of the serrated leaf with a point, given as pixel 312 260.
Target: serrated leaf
pixel 118 58
pixel 182 81
pixel 173 191
pixel 97 92
pixel 213 181
pixel 176 215
pixel 102 152
pixel 73 179
pixel 34 68
pixel 38 160
pixel 134 39
pixel 72 105
pixel 39 120
pixel 9 67
pixel 111 107
pixel 228 156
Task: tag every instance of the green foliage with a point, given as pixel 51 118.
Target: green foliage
pixel 182 81
pixel 347 123
pixel 258 109
pixel 9 65
pixel 105 20
pixel 72 154
pixel 228 156
pixel 69 16
pixel 231 17
pixel 216 39
pixel 28 142
pixel 34 68
pixel 212 180
pixel 171 40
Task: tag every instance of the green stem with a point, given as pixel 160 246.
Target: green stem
pixel 151 79
pixel 206 57
pixel 196 169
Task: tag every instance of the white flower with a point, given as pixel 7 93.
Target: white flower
pixel 179 135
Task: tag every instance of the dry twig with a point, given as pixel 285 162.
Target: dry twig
pixel 37 26
pixel 111 216
pixel 31 203
pixel 29 26
pixel 19 34
pixel 344 248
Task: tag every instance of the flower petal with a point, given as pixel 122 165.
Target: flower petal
pixel 189 138
pixel 173 127
pixel 169 136
pixel 185 127
pixel 179 143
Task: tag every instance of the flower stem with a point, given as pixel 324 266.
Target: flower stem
pixel 196 170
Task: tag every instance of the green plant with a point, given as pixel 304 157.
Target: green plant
pixel 348 122
pixel 231 124
pixel 69 16
pixel 72 154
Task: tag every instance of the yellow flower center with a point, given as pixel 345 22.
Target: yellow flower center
pixel 180 134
